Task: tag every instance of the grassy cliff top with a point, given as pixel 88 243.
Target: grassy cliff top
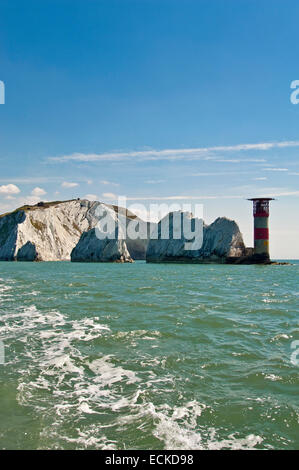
pixel 39 205
pixel 46 205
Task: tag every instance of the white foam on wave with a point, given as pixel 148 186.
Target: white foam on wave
pixel 234 443
pixel 275 301
pixel 5 287
pixel 63 384
pixel 180 431
pixel 280 336
pixel 50 344
pixel 4 292
pixel 179 428
pixel 34 293
pixel 272 377
pixel 59 380
pixel 87 437
pixel 107 374
pixel 142 334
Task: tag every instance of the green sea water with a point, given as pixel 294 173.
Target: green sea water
pixel 148 356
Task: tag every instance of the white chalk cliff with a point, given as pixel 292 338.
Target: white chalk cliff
pixel 104 243
pixel 70 230
pixel 92 249
pixel 219 241
pixel 50 231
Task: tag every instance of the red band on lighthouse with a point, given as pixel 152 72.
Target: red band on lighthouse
pixel 261 214
pixel 261 233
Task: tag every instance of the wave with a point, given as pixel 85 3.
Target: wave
pixel 155 369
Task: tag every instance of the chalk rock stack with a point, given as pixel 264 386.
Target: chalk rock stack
pixel 213 243
pixel 105 242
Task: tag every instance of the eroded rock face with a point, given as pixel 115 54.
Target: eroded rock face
pixel 49 232
pixel 27 253
pixel 220 240
pixel 53 230
pixel 104 243
pixel 223 239
pixel 9 234
pixel 137 246
pixel 92 249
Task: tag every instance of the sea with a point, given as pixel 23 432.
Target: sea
pixel 149 356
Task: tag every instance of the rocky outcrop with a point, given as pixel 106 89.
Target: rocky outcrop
pixel 138 246
pixel 53 229
pixel 27 252
pixel 76 230
pixel 220 240
pixel 106 242
pixel 50 231
pixel 92 249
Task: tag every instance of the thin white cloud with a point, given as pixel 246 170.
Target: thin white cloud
pixel 239 160
pixel 218 173
pixel 155 181
pixel 183 198
pixel 38 192
pixel 262 192
pixel 260 178
pixel 9 189
pixel 91 197
pixel 32 180
pixel 284 193
pixel 66 184
pixel 276 169
pixel 110 183
pixel 109 196
pixel 171 154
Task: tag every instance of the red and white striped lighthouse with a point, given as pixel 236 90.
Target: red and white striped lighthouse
pixel 261 225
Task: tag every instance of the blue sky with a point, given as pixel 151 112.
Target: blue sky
pixel 153 99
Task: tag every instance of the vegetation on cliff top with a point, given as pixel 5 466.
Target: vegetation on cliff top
pixel 39 205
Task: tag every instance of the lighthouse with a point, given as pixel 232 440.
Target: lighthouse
pixel 261 226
